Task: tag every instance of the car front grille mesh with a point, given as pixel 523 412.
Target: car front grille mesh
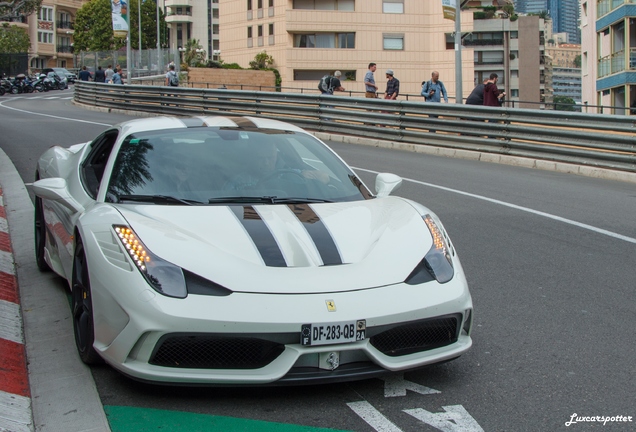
pixel 417 336
pixel 214 352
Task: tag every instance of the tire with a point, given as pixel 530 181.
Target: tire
pixel 15 90
pixel 82 307
pixel 2 91
pixel 40 235
pixel 39 87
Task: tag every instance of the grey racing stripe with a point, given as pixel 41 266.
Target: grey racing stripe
pixel 318 232
pixel 243 122
pixel 261 235
pixel 193 122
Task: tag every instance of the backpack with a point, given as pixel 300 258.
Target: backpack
pixel 174 79
pixel 325 84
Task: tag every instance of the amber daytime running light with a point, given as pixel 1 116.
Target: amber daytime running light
pixel 164 277
pixel 438 258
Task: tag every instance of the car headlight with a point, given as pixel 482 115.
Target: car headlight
pixel 437 263
pixel 166 278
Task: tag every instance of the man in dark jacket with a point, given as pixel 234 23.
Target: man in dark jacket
pixel 492 95
pixel 477 95
pixel 100 75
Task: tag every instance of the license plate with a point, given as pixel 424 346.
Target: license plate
pixel 333 333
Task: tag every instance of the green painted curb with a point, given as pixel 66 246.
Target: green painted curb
pixel 134 419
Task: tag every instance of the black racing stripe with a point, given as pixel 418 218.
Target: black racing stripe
pixel 318 233
pixel 192 122
pixel 261 235
pixel 243 122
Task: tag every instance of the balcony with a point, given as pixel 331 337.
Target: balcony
pixel 65 49
pixel 65 25
pixel 178 3
pixel 184 17
pixel 606 6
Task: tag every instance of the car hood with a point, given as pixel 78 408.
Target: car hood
pixel 296 248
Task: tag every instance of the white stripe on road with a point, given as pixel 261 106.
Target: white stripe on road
pixel 10 322
pixel 15 413
pixel 4 227
pixel 51 116
pixel 373 417
pixel 6 262
pixel 525 209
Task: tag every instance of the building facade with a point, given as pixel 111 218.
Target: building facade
pixel 51 34
pixel 514 50
pixel 193 19
pixel 310 38
pixel 609 55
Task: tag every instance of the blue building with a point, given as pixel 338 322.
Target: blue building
pixel 616 54
pixel 564 14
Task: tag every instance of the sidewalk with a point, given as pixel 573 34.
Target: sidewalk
pixel 44 386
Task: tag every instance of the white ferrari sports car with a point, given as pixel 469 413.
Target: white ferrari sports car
pixel 239 251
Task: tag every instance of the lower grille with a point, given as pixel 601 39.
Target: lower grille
pixel 418 336
pixel 214 352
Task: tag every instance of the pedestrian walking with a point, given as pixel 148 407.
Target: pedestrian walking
pixel 172 79
pixel 117 77
pixel 370 87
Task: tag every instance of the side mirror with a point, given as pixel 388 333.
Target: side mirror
pixel 55 189
pixel 385 183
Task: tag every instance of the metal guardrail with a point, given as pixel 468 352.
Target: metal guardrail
pixel 603 141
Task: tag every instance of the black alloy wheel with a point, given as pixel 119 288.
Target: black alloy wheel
pixel 82 307
pixel 40 235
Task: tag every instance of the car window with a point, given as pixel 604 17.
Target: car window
pixel 205 164
pixel 92 169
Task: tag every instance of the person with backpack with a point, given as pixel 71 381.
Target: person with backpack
pixel 172 79
pixel 328 84
pixel 433 90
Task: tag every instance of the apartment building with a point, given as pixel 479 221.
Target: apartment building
pixel 309 38
pixel 193 19
pixel 51 33
pixel 514 50
pixel 609 54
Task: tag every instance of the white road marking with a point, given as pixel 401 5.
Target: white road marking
pixel 15 413
pixel 49 115
pixel 6 262
pixel 525 209
pixel 396 385
pixel 455 419
pixel 10 322
pixel 373 417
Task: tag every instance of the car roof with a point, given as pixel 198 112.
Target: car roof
pixel 231 121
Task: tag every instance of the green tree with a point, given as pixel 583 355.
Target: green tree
pixel 13 8
pixel 194 54
pixel 577 61
pixel 262 60
pixel 13 39
pixel 94 28
pixel 564 103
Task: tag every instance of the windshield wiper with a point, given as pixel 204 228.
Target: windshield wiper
pixel 157 199
pixel 265 199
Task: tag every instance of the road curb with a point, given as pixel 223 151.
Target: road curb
pixel 15 395
pixel 63 396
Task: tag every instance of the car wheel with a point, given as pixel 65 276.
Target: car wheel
pixel 82 307
pixel 40 235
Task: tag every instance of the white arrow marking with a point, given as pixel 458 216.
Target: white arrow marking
pixel 396 385
pixel 373 417
pixel 455 419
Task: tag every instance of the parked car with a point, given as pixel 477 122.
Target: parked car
pixel 62 72
pixel 241 250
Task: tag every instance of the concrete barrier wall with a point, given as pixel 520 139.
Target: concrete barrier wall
pixel 233 79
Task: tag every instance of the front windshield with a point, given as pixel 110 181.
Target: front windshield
pixel 208 165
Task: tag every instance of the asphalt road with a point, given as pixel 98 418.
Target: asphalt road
pixel 550 261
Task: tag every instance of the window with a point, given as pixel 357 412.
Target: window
pixel 339 5
pixel 45 13
pixel 514 93
pixel 38 63
pixel 271 3
pixel 260 4
pixel 271 35
pixel 393 6
pixel 393 42
pixel 249 32
pixel 325 40
pixel 215 14
pixel 514 35
pixel 45 37
pixel 249 5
